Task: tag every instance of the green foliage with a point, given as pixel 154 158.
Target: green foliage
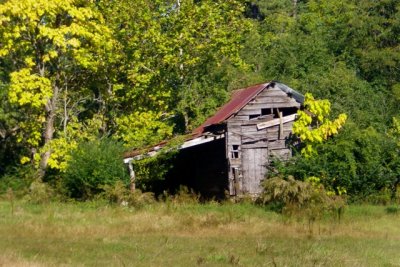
pixel 118 193
pixel 170 54
pixel 18 179
pixel 39 193
pixel 150 171
pixel 93 165
pixel 73 71
pixel 393 210
pixel 183 196
pixel 141 128
pixel 49 42
pixel 363 162
pixel 298 198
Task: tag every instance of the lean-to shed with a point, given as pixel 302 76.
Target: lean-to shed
pixel 231 150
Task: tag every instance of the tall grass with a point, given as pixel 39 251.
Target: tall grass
pixel 190 234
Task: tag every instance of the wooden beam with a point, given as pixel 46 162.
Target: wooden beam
pixel 274 122
pixel 132 177
pixel 280 125
pixel 201 140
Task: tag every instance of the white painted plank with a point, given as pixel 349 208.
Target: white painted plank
pixel 276 122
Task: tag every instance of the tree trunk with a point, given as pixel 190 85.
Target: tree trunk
pixel 295 8
pixel 51 108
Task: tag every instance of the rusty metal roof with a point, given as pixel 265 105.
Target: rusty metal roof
pixel 238 100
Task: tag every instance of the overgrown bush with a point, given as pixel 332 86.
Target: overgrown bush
pixel 300 198
pixel 152 171
pixel 19 179
pixel 183 196
pixel 94 165
pixel 364 162
pixel 39 193
pixel 121 195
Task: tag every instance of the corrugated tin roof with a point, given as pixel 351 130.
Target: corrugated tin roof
pixel 238 100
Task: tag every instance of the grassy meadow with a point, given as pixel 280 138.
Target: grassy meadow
pixel 212 234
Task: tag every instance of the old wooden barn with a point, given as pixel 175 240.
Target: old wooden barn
pixel 229 152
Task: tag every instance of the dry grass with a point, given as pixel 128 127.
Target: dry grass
pixel 95 234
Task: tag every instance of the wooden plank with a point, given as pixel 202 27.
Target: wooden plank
pixel 255 137
pixel 259 106
pixel 254 161
pixel 233 139
pixel 269 136
pixel 263 143
pixel 252 128
pixel 278 144
pixel 235 162
pixel 281 125
pixel 276 121
pixel 252 131
pixel 245 112
pixel 200 140
pixel 273 92
pixel 257 120
pixel 239 118
pixel 271 99
pixel 272 129
pixel 234 127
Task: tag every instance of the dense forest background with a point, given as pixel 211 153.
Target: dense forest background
pixel 142 71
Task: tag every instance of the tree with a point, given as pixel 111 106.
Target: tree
pixel 51 44
pixel 313 125
pixel 172 53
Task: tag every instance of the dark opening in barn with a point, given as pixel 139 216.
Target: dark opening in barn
pixel 201 168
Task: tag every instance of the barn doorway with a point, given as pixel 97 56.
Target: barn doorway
pixel 254 169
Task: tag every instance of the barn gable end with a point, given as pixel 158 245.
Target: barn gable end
pixel 250 146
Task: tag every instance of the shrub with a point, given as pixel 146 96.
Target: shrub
pixel 93 165
pixel 298 198
pixel 18 179
pixel 39 192
pixel 392 210
pixel 120 194
pixel 139 199
pixel 183 196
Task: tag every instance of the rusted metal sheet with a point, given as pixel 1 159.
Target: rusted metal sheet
pixel 238 100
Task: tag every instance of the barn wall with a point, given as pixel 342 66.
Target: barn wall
pixel 248 149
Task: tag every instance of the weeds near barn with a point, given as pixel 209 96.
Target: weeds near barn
pixel 192 234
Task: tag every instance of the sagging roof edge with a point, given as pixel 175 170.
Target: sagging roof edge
pixel 188 143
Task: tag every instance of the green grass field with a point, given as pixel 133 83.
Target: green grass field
pixel 96 234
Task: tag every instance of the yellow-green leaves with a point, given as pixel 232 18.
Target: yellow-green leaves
pixel 29 89
pixel 143 128
pixel 50 44
pixel 313 125
pixel 394 132
pixel 168 46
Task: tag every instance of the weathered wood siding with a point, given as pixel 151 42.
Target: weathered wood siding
pixel 248 149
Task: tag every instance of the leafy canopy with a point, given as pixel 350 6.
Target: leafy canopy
pixel 313 125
